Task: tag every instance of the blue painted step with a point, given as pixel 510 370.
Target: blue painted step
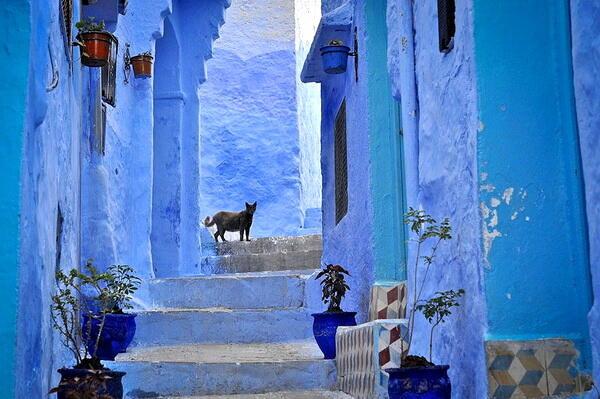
pixel 225 369
pixel 218 325
pixel 243 290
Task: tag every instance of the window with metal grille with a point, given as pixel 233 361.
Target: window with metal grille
pixel 66 14
pixel 446 24
pixel 341 164
pixel 109 75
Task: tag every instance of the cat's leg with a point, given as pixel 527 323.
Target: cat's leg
pixel 223 235
pixel 217 236
pixel 241 234
pixel 247 233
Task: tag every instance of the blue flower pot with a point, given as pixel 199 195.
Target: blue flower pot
pixel 419 383
pixel 335 58
pixel 325 326
pixel 111 388
pixel 117 334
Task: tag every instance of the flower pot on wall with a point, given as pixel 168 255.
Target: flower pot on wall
pixel 96 48
pixel 117 334
pixel 78 383
pixel 325 326
pixel 335 58
pixel 142 65
pixel 419 382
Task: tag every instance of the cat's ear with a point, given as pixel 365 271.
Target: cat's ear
pixel 247 205
pixel 254 205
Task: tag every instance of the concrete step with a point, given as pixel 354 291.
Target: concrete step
pixel 218 325
pixel 245 263
pixel 275 395
pixel 225 370
pixel 260 290
pixel 271 245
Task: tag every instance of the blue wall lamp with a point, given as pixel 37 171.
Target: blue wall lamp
pixel 335 57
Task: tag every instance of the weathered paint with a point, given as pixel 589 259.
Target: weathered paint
pixel 446 169
pixel 532 207
pixel 14 24
pixel 586 67
pixel 251 133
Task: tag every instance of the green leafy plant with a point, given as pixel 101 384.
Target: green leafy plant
pixel 429 234
pixel 334 286
pixel 88 25
pixel 336 43
pixel 437 308
pixel 146 54
pixel 84 387
pixel 66 309
pixel 120 287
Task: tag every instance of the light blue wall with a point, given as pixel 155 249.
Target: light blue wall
pixel 535 243
pixel 50 176
pixel 386 152
pixel 14 24
pixel 585 31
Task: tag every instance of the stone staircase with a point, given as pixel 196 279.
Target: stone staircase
pixel 245 334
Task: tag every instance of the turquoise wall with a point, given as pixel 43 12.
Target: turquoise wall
pixel 14 59
pixel 535 245
pixel 385 148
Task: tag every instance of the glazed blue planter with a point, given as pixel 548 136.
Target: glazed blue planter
pixel 335 59
pixel 325 326
pixel 419 383
pixel 117 334
pixel 112 387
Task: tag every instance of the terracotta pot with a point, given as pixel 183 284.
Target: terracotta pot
pixel 142 65
pixel 96 48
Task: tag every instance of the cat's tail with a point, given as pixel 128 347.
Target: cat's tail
pixel 209 221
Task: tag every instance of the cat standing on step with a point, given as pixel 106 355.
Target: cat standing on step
pixel 232 221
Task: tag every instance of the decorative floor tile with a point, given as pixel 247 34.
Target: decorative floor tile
pixel 532 369
pixel 388 302
pixel 362 354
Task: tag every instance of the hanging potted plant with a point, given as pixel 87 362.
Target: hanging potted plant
pixel 418 376
pixel 325 324
pixel 88 378
pixel 335 57
pixel 110 329
pixel 95 42
pixel 142 65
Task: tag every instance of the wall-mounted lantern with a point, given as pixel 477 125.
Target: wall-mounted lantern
pixel 335 57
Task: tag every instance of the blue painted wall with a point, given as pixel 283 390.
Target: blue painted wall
pixel 586 67
pixel 50 178
pixel 386 152
pixel 14 57
pixel 441 126
pixel 250 149
pixel 535 243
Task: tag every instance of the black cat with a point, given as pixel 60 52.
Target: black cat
pixel 232 221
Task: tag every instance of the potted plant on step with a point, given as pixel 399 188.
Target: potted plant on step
pixel 95 42
pixel 109 328
pixel 335 57
pixel 142 65
pixel 88 378
pixel 418 377
pixel 325 324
